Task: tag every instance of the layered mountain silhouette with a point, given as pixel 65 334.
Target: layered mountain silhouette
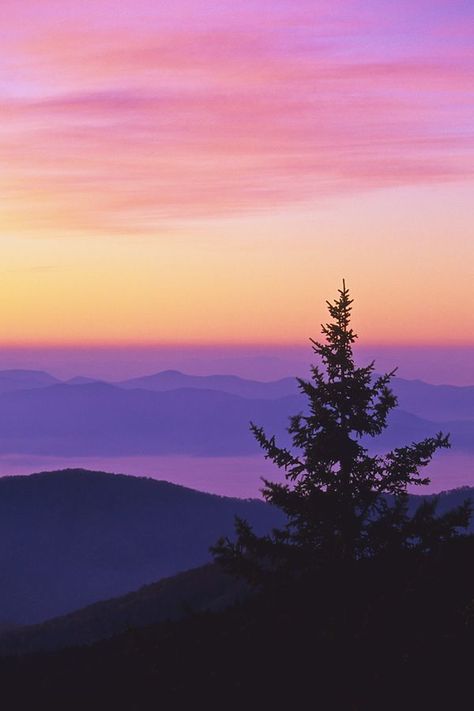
pixel 102 419
pixel 11 380
pixel 173 413
pixel 205 588
pixel 435 402
pixel 231 384
pixel 74 537
pixel 70 538
pixel 122 563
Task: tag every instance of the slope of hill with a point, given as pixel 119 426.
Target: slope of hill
pixel 196 590
pixel 11 380
pixel 403 427
pixel 70 538
pixel 435 402
pixel 389 634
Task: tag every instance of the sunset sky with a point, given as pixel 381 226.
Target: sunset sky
pixel 206 172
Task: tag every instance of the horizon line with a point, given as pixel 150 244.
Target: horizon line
pixel 234 345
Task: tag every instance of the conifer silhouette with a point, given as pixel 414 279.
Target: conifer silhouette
pixel 342 503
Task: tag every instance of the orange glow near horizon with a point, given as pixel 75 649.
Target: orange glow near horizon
pixel 193 290
pixel 207 174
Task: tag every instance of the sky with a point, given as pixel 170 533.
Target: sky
pixel 205 174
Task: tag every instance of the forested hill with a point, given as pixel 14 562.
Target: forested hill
pixel 72 537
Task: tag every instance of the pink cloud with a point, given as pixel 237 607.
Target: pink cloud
pixel 120 127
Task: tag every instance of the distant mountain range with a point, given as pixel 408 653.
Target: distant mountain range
pixel 70 538
pixel 11 380
pixel 435 402
pixel 174 413
pixel 432 402
pixel 82 551
pixel 102 419
pixel 231 384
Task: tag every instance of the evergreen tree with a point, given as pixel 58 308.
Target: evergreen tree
pixel 342 503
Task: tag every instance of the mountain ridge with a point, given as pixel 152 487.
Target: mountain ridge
pixel 76 537
pixel 103 419
pixel 427 400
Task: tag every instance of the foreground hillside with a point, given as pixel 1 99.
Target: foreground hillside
pixel 73 537
pixel 394 634
pixel 201 589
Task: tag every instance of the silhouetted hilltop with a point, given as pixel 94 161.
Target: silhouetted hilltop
pixel 75 537
pixel 447 500
pixel 11 380
pixel 231 384
pixel 72 537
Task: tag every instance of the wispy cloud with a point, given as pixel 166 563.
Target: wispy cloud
pixel 117 128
